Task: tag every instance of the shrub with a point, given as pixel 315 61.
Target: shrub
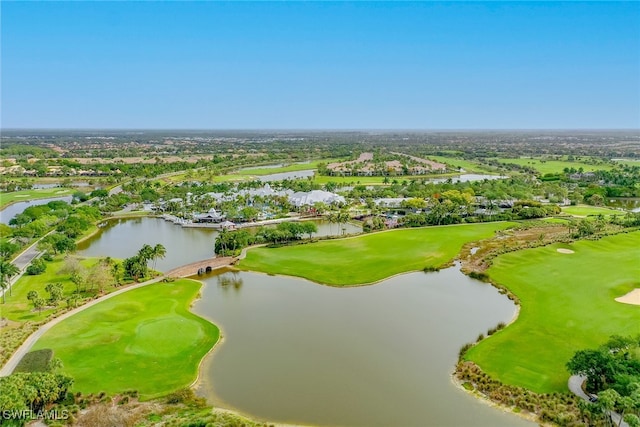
pixel 38 266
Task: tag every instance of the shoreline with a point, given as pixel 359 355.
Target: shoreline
pixel 487 401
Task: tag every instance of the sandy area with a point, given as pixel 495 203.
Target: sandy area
pixel 632 297
pixel 565 251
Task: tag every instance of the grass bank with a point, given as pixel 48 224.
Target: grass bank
pixel 585 210
pixel 145 339
pixel 555 166
pixel 7 199
pixel 567 304
pixel 369 258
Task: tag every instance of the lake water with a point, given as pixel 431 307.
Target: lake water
pixel 627 203
pixel 286 175
pixel 9 212
pixel 381 355
pixel 298 352
pixel 122 238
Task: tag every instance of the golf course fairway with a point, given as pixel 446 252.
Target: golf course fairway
pixel 145 340
pixel 369 258
pixel 567 304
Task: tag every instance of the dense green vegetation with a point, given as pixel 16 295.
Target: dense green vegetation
pixel 369 258
pixel 613 372
pixel 567 303
pixel 145 339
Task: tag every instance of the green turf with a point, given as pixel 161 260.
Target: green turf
pixel 467 165
pixel 145 339
pixel 628 162
pixel 554 166
pixel 369 258
pixel 19 309
pixel 294 167
pixel 585 210
pixel 567 304
pixel 23 196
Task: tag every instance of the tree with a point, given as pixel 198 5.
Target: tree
pixel 78 273
pixel 55 292
pixel 7 249
pixel 596 365
pixel 100 276
pixel 145 253
pixel 160 252
pixel 38 266
pixel 135 267
pixel 309 228
pixel 7 270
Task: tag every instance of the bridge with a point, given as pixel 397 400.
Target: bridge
pixel 202 267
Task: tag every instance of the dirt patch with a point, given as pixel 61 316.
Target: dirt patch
pixel 632 297
pixel 565 251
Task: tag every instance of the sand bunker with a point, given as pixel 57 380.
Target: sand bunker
pixel 632 297
pixel 565 251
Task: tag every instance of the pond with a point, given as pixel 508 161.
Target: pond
pixel 627 203
pixel 286 175
pixel 298 352
pixel 14 209
pixel 122 238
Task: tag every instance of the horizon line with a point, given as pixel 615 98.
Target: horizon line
pixel 313 129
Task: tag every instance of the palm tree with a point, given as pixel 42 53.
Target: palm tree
pixel 159 251
pixel 145 253
pixel 6 271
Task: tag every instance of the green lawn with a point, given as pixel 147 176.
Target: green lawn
pixel 145 340
pixel 585 210
pixel 369 258
pixel 567 304
pixel 467 165
pixel 294 167
pixel 554 166
pixel 23 196
pixel 628 162
pixel 19 309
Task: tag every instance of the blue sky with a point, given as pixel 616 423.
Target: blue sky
pixel 321 65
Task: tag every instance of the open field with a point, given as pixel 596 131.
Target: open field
pixel 26 195
pixel 145 340
pixel 460 163
pixel 554 166
pixel 628 162
pixel 585 210
pixel 567 304
pixel 294 167
pixel 369 258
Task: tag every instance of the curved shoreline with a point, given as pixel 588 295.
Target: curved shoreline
pixel 487 401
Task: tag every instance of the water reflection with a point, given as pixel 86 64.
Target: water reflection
pixel 381 355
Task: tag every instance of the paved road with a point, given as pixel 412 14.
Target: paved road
pixel 22 261
pixel 575 385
